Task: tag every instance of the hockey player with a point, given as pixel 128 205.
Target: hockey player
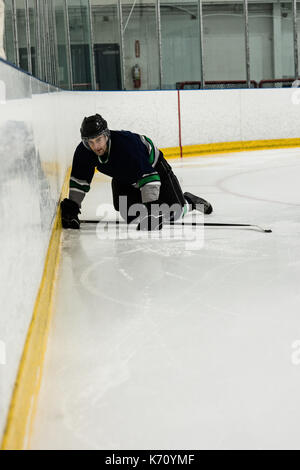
pixel 139 173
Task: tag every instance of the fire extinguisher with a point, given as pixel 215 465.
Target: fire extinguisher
pixel 136 76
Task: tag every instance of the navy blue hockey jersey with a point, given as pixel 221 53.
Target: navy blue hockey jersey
pixel 131 159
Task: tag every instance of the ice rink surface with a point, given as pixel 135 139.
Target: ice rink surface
pixel 166 344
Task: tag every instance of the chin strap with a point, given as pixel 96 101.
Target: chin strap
pixel 86 144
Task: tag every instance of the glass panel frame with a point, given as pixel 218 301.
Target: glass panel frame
pixel 80 43
pixel 224 41
pixel 181 54
pixel 152 44
pixel 261 40
pixel 287 40
pixel 140 40
pixel 9 40
pixel 107 48
pixel 62 44
pixel 272 42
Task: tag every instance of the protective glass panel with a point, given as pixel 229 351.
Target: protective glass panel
pixel 32 31
pixel 52 42
pixel 285 66
pixel 63 74
pixel 140 45
pixel 81 47
pixel 271 40
pixel 224 44
pixel 107 50
pixel 44 42
pixel 180 42
pixel 261 30
pixel 8 33
pixel 22 37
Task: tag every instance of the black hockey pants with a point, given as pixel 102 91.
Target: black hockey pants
pixel 170 192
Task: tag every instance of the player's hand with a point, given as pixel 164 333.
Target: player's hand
pixel 69 214
pixel 152 219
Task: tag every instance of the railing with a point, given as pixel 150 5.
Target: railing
pixel 82 86
pixel 277 83
pixel 232 84
pixel 218 84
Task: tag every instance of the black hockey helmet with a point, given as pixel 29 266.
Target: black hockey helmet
pixel 92 127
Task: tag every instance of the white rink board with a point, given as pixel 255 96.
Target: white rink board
pixel 207 116
pixel 270 114
pixel 239 115
pixel 210 116
pixel 33 155
pixel 153 113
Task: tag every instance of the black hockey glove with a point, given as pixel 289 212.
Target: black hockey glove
pixel 69 214
pixel 152 219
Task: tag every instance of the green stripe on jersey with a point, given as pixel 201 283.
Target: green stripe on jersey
pixel 83 187
pixel 185 209
pixel 152 152
pixel 148 179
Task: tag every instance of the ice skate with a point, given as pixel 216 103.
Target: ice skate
pixel 198 203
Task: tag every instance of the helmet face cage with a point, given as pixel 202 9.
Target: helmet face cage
pixel 85 140
pixel 92 127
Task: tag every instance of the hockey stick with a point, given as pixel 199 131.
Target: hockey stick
pixel 187 224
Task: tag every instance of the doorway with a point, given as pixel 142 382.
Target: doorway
pixel 108 66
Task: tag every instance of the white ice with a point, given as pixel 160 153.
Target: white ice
pixel 160 344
